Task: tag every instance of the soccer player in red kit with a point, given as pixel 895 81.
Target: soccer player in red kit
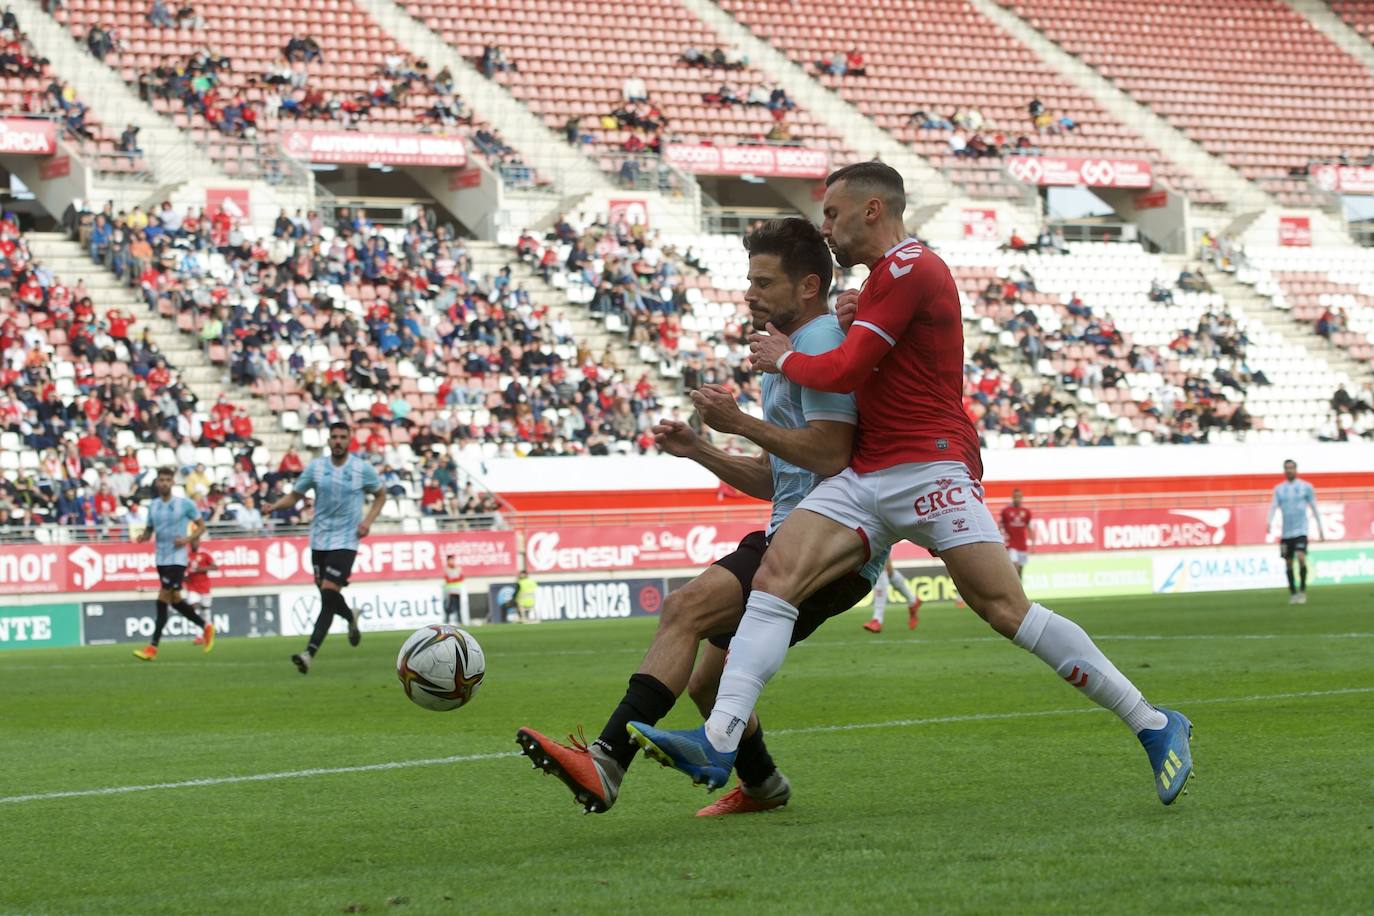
pixel 1016 526
pixel 915 475
pixel 198 582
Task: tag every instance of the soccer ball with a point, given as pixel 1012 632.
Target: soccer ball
pixel 440 667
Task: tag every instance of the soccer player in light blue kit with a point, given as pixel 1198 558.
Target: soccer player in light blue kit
pixel 340 482
pixel 175 522
pixel 805 436
pixel 1293 498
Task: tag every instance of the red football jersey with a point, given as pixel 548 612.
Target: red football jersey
pixel 1016 525
pixel 198 572
pixel 904 360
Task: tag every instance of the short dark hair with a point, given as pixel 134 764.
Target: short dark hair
pixel 877 179
pixel 800 246
pixel 1288 461
pixel 340 424
pixel 167 470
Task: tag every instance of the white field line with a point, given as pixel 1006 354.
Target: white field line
pixel 822 643
pixel 472 758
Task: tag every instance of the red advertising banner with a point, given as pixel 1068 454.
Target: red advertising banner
pixel 1295 231
pixel 56 167
pixel 631 211
pixel 1343 179
pixel 361 148
pixel 107 567
pixel 1157 529
pixel 1063 171
pixel 980 224
pixel 764 161
pixel 630 547
pixel 1151 201
pixel 28 137
pixel 463 179
pixel 237 202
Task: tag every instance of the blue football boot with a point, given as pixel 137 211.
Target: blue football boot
pixel 688 751
pixel 1171 757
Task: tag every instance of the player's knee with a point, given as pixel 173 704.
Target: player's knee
pixel 1003 613
pixel 686 615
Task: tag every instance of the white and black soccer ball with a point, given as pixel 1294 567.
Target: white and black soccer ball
pixel 441 667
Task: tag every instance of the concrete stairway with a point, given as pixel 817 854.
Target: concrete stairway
pixel 207 381
pixel 1333 27
pixel 589 331
pixel 1214 174
pixel 1260 308
pixel 864 137
pixel 572 172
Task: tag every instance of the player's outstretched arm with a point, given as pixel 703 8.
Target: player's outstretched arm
pixel 821 446
pixel 285 501
pixel 840 370
pixel 748 474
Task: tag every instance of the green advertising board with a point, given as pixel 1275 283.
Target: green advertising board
pixel 35 626
pixel 1341 565
pixel 1070 576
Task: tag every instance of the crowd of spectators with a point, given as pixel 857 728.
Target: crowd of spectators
pixel 971 136
pixel 344 316
pixel 1352 415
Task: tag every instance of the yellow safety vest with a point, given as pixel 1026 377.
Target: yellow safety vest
pixel 524 592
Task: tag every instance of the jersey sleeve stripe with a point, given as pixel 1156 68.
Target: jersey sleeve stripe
pixel 877 330
pixel 850 418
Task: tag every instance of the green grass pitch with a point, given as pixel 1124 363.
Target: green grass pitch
pixel 941 771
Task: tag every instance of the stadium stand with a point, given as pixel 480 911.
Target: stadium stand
pixel 936 76
pixel 1258 85
pixel 88 403
pixel 574 64
pixel 28 88
pixel 238 75
pixel 439 363
pixel 1331 290
pixel 1358 14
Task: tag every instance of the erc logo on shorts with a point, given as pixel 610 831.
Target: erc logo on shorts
pixel 946 498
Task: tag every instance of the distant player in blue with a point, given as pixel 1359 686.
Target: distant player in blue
pixel 340 483
pixel 175 522
pixel 1293 498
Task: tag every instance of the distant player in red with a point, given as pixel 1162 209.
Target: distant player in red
pixel 1016 526
pixel 198 581
pixel 915 475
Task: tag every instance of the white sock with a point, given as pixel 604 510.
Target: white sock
pixel 756 653
pixel 903 587
pixel 880 597
pixel 1062 644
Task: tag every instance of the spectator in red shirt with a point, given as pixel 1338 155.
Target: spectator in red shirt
pixel 212 433
pixel 120 322
pixel 243 428
pixel 223 410
pixel 105 502
pixel 128 462
pixel 159 377
pixel 90 446
pixel 432 497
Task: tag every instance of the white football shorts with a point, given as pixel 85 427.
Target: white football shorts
pixel 934 504
pixel 196 599
pixel 1018 557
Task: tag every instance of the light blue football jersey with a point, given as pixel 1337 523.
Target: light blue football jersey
pixel 339 491
pixel 1292 498
pixel 169 520
pixel 789 405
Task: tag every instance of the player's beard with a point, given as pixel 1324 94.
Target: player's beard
pixel 841 255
